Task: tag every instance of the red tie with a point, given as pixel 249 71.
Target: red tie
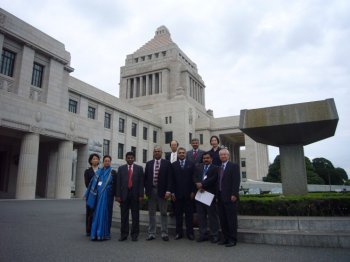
pixel 195 154
pixel 130 177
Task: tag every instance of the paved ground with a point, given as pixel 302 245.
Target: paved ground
pixel 53 230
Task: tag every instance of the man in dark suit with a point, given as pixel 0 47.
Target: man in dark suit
pixel 172 156
pixel 158 186
pixel 206 178
pixel 195 154
pixel 129 194
pixel 228 194
pixel 183 195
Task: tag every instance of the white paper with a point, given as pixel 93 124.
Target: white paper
pixel 204 197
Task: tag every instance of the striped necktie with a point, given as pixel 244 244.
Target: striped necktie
pixel 156 173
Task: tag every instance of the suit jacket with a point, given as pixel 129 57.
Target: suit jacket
pixel 230 183
pixel 88 175
pixel 137 182
pixel 164 177
pixel 168 156
pixel 189 156
pixel 209 184
pixel 183 179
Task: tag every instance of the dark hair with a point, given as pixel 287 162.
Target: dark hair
pixel 177 143
pixel 131 153
pixel 181 148
pixel 216 139
pixel 104 157
pixel 92 156
pixel 207 153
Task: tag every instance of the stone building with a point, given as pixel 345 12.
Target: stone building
pixel 50 121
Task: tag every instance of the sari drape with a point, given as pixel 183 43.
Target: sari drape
pixel 102 217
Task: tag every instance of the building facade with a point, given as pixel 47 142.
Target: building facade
pixel 50 121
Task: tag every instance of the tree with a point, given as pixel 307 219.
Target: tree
pixel 274 174
pixel 325 169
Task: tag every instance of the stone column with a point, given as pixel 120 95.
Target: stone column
pixel 82 164
pixel 28 167
pixel 147 86
pixel 52 173
pixel 64 170
pixel 25 72
pixel 153 83
pixel 1 41
pixel 293 171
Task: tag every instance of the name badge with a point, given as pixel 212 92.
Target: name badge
pixel 99 183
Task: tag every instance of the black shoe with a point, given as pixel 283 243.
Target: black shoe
pixel 190 236
pixel 202 239
pixel 150 238
pixel 134 239
pixel 231 244
pixel 223 242
pixel 165 238
pixel 123 238
pixel 214 240
pixel 178 236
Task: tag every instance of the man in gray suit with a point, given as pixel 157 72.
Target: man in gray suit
pixel 195 154
pixel 129 194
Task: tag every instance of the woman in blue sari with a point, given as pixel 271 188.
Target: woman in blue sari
pixel 105 181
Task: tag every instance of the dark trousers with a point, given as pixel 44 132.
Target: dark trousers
pixel 130 203
pixel 88 220
pixel 228 219
pixel 184 206
pixel 205 213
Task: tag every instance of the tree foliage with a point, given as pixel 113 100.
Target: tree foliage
pixel 319 171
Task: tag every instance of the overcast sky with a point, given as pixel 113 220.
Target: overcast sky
pixel 255 53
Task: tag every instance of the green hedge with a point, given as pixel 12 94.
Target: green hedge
pixel 312 204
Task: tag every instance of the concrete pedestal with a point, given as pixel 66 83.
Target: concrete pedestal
pixel 293 172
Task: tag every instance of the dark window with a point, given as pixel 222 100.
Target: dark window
pixel 170 119
pixel 7 62
pixel 144 155
pixel 105 147
pixel 155 136
pixel 189 138
pixel 91 112
pixel 168 137
pixel 166 120
pixel 244 174
pixel 201 139
pixel 37 75
pixel 133 129
pixel 133 149
pixel 145 133
pixel 120 151
pixel 121 125
pixel 243 163
pixel 107 120
pixel 73 106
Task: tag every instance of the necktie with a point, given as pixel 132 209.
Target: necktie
pixel 182 164
pixel 130 177
pixel 205 170
pixel 156 173
pixel 194 154
pixel 221 173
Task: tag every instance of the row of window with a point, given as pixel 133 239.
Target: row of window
pixel 73 108
pixel 7 66
pixel 106 150
pixel 149 57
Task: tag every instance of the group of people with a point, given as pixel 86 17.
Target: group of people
pixel 176 179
